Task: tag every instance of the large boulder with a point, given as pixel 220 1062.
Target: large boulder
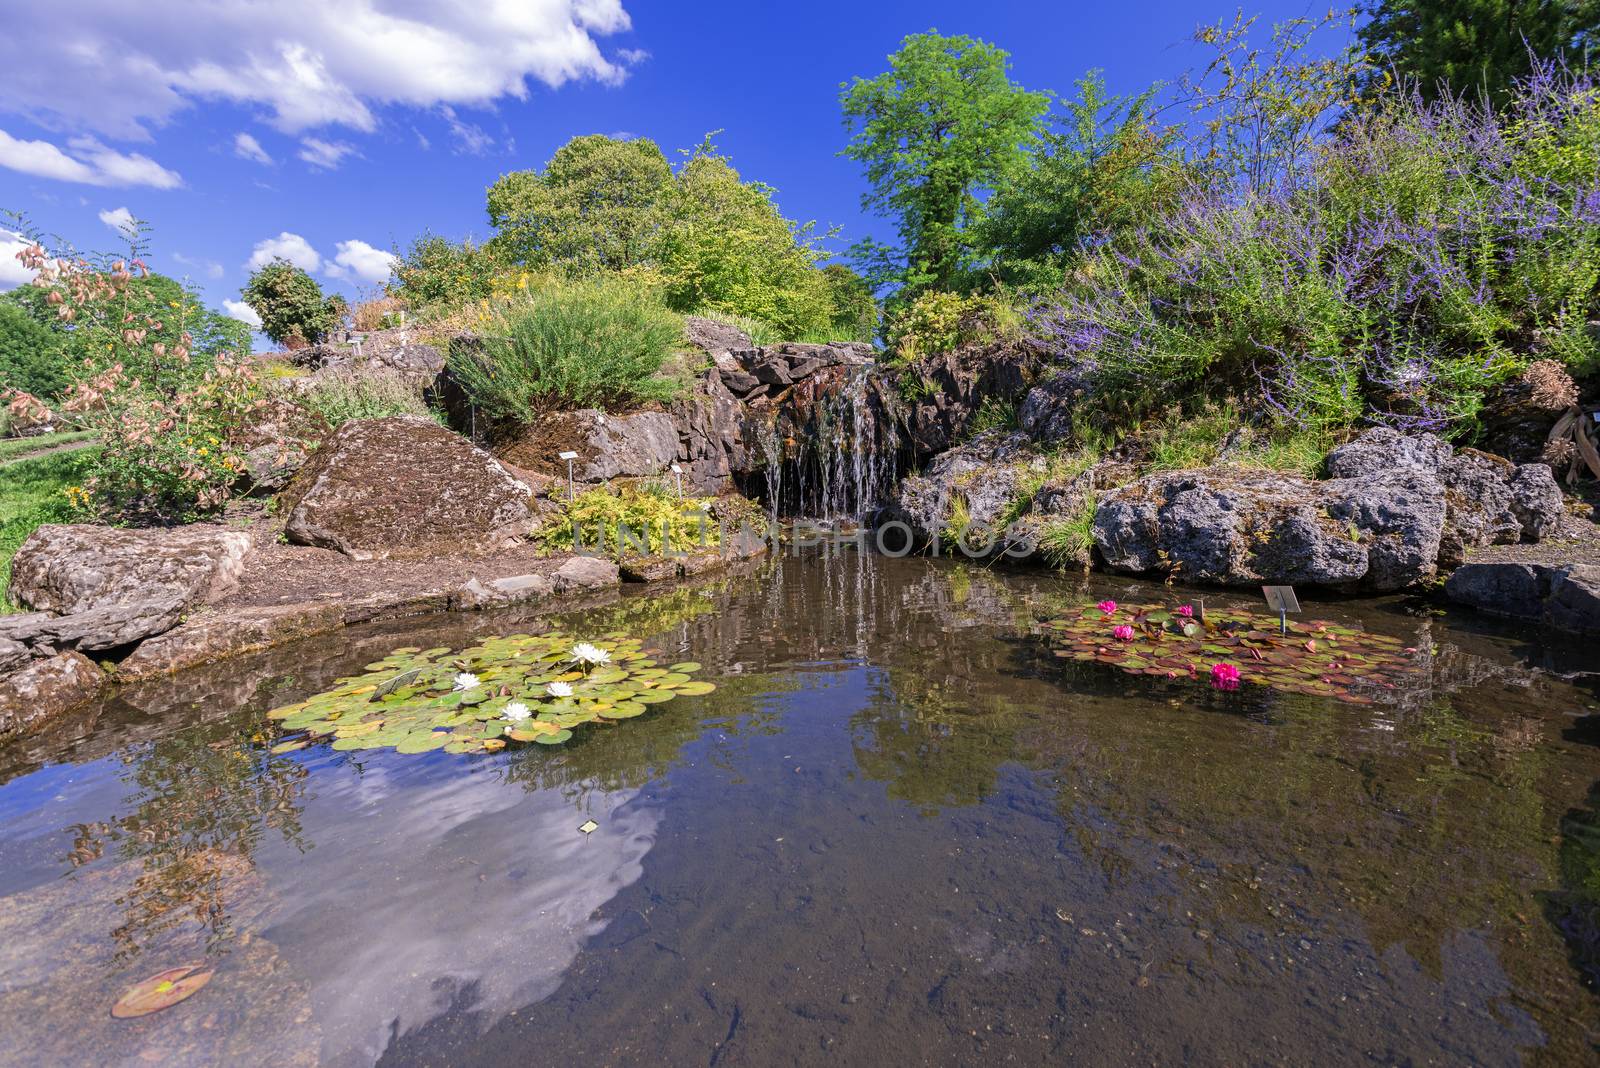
pixel 96 588
pixel 1490 501
pixel 968 488
pixel 404 487
pixel 713 337
pixel 632 445
pixel 45 688
pixel 1242 528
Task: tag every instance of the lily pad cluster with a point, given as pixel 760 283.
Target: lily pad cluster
pixel 1315 657
pixel 520 688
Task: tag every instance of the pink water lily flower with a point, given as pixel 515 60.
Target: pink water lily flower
pixel 1185 610
pixel 1123 633
pixel 1225 676
pixel 1108 607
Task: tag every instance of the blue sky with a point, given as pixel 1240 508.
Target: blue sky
pixel 334 130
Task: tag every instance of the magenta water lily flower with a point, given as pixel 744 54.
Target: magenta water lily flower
pixel 1108 607
pixel 1225 676
pixel 1185 610
pixel 1123 633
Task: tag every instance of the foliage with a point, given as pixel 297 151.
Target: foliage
pixel 32 356
pixel 435 272
pixel 1103 171
pixel 1429 253
pixel 1316 658
pixel 169 414
pixel 519 688
pixel 592 208
pixel 855 312
pixel 33 492
pixel 600 520
pixel 377 313
pixel 993 414
pixel 1197 438
pixel 724 245
pixel 938 321
pixel 585 344
pixel 1472 47
pixel 293 310
pixel 1259 112
pixel 335 397
pixel 944 124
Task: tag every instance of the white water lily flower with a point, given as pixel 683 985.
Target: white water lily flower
pixel 516 712
pixel 558 689
pixel 584 653
pixel 466 680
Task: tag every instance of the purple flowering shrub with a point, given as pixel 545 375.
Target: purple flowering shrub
pixel 1431 252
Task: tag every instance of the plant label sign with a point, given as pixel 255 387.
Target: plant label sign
pixel 572 493
pixel 1281 599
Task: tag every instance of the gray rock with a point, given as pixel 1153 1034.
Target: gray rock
pixel 1243 528
pixel 632 445
pixel 1563 597
pixel 1382 449
pixel 66 568
pixel 586 573
pixel 1046 411
pixel 981 477
pixel 498 593
pixel 709 443
pixel 13 654
pixel 1536 500
pixel 45 688
pixel 713 337
pixel 403 486
pixel 109 626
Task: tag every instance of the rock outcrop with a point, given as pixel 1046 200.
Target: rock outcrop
pixel 45 688
pixel 1564 597
pixel 1241 528
pixel 967 488
pixel 404 487
pixel 714 338
pixel 629 445
pixel 97 588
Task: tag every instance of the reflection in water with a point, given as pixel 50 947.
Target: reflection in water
pixel 899 831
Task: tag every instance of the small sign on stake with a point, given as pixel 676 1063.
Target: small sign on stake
pixel 677 473
pixel 1282 600
pixel 572 494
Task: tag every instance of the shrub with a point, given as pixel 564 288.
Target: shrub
pixel 1432 251
pixel 937 322
pixel 588 344
pixel 652 514
pixel 293 310
pixel 378 313
pixel 336 397
pixel 438 273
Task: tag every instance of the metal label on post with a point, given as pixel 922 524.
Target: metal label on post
pixel 677 473
pixel 572 492
pixel 1282 600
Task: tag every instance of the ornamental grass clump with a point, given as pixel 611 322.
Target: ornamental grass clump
pixel 595 344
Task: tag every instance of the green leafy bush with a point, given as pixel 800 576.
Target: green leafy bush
pixel 293 310
pixel 32 356
pixel 598 344
pixel 937 322
pixel 597 518
pixel 438 273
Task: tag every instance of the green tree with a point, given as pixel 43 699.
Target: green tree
pixel 1106 167
pixel 724 246
pixel 592 208
pixel 292 307
pixel 31 356
pixel 436 272
pixel 1475 46
pixel 937 130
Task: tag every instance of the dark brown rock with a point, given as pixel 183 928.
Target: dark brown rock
pixel 404 487
pixel 630 445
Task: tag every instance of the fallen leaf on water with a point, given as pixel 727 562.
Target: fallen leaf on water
pixel 161 991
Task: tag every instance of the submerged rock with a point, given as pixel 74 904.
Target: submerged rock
pixel 404 487
pixel 1241 528
pixel 45 688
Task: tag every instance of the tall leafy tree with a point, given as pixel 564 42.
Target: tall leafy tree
pixel 937 130
pixel 591 209
pixel 1476 46
pixel 292 307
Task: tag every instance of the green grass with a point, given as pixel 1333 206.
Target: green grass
pixel 12 448
pixel 1065 540
pixel 31 494
pixel 1195 439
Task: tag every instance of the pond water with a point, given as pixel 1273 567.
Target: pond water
pixel 900 831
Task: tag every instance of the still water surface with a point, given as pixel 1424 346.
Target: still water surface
pixel 900 832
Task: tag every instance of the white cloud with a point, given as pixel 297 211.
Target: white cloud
pixel 120 68
pixel 238 309
pixel 12 272
pixel 358 261
pixel 120 220
pixel 286 246
pixel 247 147
pixel 210 268
pixel 469 136
pixel 325 155
pixel 88 161
pixel 633 56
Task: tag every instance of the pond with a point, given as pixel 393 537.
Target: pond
pixel 900 830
